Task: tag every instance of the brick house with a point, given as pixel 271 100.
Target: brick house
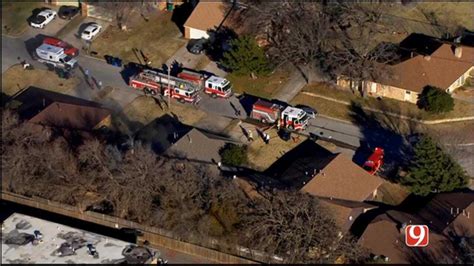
pixel 425 61
pixel 50 109
pixel 341 185
pixel 205 16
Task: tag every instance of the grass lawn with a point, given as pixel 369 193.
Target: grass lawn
pixel 144 110
pixel 16 79
pixel 341 111
pixel 14 15
pixel 159 38
pixel 261 155
pixel 264 86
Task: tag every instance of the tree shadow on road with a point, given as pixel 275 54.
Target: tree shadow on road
pixel 387 132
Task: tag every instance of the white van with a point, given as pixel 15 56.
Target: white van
pixel 55 56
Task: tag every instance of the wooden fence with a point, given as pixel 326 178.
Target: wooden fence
pixel 155 236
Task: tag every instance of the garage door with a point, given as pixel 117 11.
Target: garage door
pixel 197 34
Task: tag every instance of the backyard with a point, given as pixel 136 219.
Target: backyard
pixel 14 15
pixel 261 155
pixel 159 38
pixel 144 110
pixel 16 79
pixel 343 111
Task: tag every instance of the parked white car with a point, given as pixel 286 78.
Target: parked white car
pixel 91 31
pixel 43 18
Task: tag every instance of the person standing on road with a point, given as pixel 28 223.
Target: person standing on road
pixel 86 72
pixel 100 84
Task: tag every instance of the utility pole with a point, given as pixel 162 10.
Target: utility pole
pixel 169 89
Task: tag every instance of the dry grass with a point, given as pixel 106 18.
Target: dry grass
pixel 159 38
pixel 391 194
pixel 341 111
pixel 203 62
pixel 16 79
pixel 261 155
pixel 144 110
pixel 14 15
pixel 264 86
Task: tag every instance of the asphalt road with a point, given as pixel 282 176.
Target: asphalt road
pixel 351 134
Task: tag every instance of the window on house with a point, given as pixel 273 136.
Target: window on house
pixel 408 92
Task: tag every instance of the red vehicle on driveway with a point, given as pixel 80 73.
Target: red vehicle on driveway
pixel 375 161
pixel 68 49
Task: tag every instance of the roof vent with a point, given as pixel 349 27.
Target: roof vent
pixel 427 57
pixel 458 51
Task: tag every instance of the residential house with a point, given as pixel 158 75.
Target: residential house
pixel 198 145
pixel 341 185
pixel 447 215
pixel 51 109
pixel 63 2
pixel 425 61
pixel 207 15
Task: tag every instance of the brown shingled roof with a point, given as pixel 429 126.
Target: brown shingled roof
pixel 207 15
pixel 343 179
pixel 440 69
pixel 66 115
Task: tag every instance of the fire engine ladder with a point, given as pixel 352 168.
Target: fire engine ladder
pixel 163 79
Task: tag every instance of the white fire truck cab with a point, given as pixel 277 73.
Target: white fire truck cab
pixel 218 87
pixel 290 117
pixel 293 118
pixel 153 82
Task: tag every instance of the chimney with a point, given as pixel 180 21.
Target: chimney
pixel 402 228
pixel 458 51
pixel 411 54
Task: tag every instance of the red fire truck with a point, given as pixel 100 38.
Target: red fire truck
pixel 153 82
pixel 375 161
pixel 213 85
pixel 287 117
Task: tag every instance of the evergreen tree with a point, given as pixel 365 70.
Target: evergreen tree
pixel 246 57
pixel 232 154
pixel 435 100
pixel 432 170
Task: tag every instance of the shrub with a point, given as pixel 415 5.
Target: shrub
pixel 246 58
pixel 435 100
pixel 233 154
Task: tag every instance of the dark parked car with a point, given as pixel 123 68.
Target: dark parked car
pixel 197 46
pixel 68 12
pixel 309 110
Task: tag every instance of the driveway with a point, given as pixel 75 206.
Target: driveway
pixel 186 58
pixel 73 36
pixel 49 30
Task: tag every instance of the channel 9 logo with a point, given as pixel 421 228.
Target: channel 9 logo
pixel 417 235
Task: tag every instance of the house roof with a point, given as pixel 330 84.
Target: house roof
pixel 197 145
pixel 296 167
pixel 207 15
pixel 463 225
pixel 433 64
pixel 343 179
pixel 59 110
pixel 439 213
pixel 65 115
pixel 343 209
pixel 383 237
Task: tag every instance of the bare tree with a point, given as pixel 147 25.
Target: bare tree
pixel 295 227
pixel 334 37
pixel 122 9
